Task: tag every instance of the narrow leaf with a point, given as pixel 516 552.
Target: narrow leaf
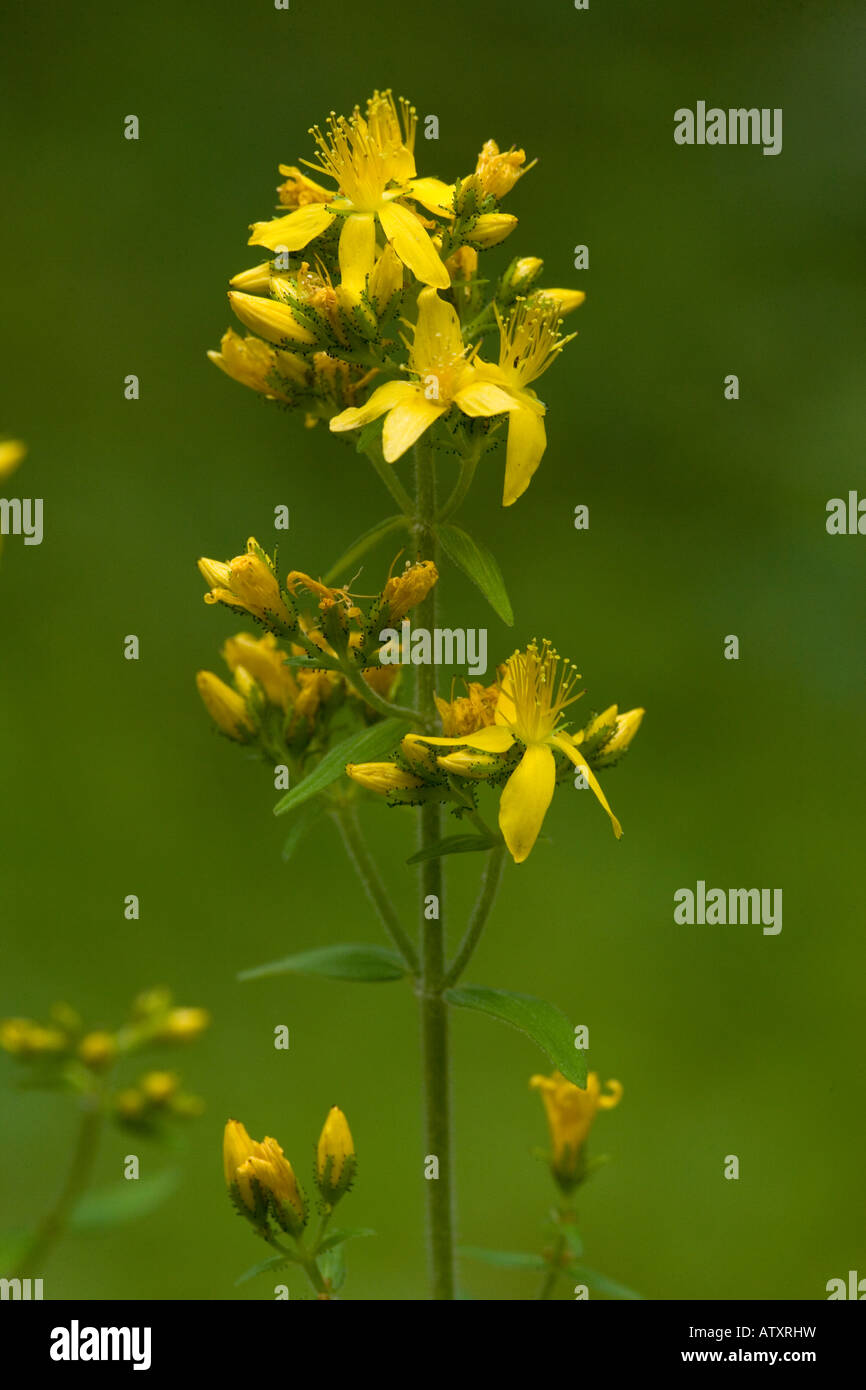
pixel 455 844
pixel 338 1237
pixel 366 746
pixel 275 1262
pixel 601 1283
pixel 545 1024
pixel 503 1259
pixel 477 563
pixel 98 1211
pixel 350 962
pixel 300 824
pixel 342 568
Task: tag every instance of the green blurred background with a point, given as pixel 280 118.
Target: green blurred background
pixel 706 518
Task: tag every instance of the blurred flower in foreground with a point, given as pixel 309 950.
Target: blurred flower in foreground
pixel 12 451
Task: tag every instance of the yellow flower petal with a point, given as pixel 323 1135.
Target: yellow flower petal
pixel 479 397
pixel 295 231
pixel 433 194
pixel 527 795
pixel 357 251
pixel 385 398
pixel 412 244
pixel 565 743
pixel 407 422
pixel 494 739
pixel 527 440
pixel 437 337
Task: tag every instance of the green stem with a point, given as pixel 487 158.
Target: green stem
pixel 486 898
pixel 553 1273
pixel 435 1061
pixel 391 481
pixel 356 848
pixel 53 1225
pixel 376 702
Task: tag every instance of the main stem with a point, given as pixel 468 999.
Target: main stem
pixel 435 1059
pixel 53 1225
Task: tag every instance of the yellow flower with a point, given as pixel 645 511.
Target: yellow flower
pixel 496 172
pixel 382 777
pixel 248 583
pixel 471 712
pixel 247 1162
pixel 97 1050
pixel 299 190
pixel 159 1086
pixel 226 707
pixel 273 319
pixel 536 691
pixel 528 343
pixel 130 1103
pixel 407 590
pixel 562 301
pixel 265 662
pixel 12 451
pixel 437 358
pixel 253 363
pixel 570 1114
pixel 24 1038
pixel 607 738
pixel 371 160
pixel 490 229
pixel 335 1157
pixel 183 1025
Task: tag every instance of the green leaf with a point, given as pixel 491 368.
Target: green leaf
pixel 503 1259
pixel 350 962
pixel 338 1237
pixel 477 563
pixel 542 1022
pixel 13 1246
pixel 275 1262
pixel 455 844
pixel 332 1266
pixel 99 1211
pixel 301 823
pixel 366 746
pixel 601 1283
pixel 359 547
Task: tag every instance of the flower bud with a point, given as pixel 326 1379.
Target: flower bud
pixel 248 583
pixel 98 1050
pixel 472 763
pixel 183 1025
pixel 261 1181
pixel 268 370
pixel 256 280
pixel 226 707
pixel 496 172
pixel 386 280
pixel 158 1087
pixel 563 301
pixel 275 321
pixel 382 777
pixel 490 229
pixel 12 451
pixel 25 1039
pixel 519 277
pixel 336 1163
pixel 264 660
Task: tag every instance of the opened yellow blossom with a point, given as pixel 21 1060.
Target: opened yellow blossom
pixel 571 1111
pixel 537 689
pixel 444 378
pixel 371 160
pixel 529 342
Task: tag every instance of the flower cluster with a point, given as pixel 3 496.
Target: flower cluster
pixel 262 1183
pixel 313 672
pixel 513 735
pixel 63 1052
pixel 372 305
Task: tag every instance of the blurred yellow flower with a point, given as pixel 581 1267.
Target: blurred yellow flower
pixel 570 1115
